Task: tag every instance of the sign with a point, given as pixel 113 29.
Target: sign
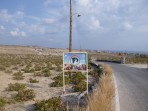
pixel 75 61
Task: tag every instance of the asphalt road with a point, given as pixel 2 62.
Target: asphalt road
pixel 132 85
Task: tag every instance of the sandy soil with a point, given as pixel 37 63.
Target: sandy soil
pixel 42 90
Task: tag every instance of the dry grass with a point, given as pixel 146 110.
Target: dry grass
pixel 107 69
pixel 102 98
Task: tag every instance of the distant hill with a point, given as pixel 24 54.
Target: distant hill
pixel 37 50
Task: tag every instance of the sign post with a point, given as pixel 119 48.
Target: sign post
pixel 75 62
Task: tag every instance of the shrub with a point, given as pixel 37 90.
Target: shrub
pixel 77 77
pixel 59 81
pixel 16 87
pixel 18 76
pixel 25 95
pixel 107 69
pixel 47 74
pixel 28 70
pixel 45 70
pixel 59 68
pixel 8 71
pixel 2 68
pixel 80 86
pixel 15 68
pixel 2 102
pixel 33 80
pixel 41 74
pixel 96 72
pixel 38 68
pixel 89 65
pixel 37 74
pixel 53 104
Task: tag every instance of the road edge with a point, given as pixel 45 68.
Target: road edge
pixel 117 104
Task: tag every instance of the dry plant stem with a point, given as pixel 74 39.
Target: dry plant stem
pixel 102 99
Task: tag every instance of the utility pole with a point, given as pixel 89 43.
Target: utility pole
pixel 70 32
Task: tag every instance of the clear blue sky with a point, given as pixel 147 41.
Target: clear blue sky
pixel 103 25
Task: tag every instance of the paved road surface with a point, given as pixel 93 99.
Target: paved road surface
pixel 132 86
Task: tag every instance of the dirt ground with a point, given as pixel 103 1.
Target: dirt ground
pixel 42 90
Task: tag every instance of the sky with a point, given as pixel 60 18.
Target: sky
pixel 103 24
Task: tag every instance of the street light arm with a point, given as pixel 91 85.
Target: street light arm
pixel 78 15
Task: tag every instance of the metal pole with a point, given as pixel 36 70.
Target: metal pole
pixel 70 33
pixel 63 76
pixel 87 74
pixel 63 81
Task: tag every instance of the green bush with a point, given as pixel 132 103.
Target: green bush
pixel 77 77
pixel 15 68
pixel 33 80
pixel 18 76
pixel 8 71
pixel 59 68
pixel 89 65
pixel 37 74
pixel 38 68
pixel 16 87
pixel 41 74
pixel 25 95
pixel 59 81
pixel 45 70
pixel 47 74
pixel 80 86
pixel 96 72
pixel 2 103
pixel 53 104
pixel 2 68
pixel 28 70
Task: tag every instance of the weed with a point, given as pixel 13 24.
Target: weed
pixel 18 76
pixel 25 95
pixel 2 103
pixel 80 86
pixel 77 77
pixel 101 100
pixel 16 87
pixel 2 68
pixel 59 81
pixel 41 74
pixel 8 71
pixel 33 80
pixel 53 104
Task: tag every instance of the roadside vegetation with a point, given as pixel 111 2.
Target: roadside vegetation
pixel 17 66
pixel 30 68
pixel 116 57
pixel 30 63
pixel 18 76
pixel 102 98
pixel 25 95
pixel 33 80
pixel 16 87
pixel 4 101
pixel 52 104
